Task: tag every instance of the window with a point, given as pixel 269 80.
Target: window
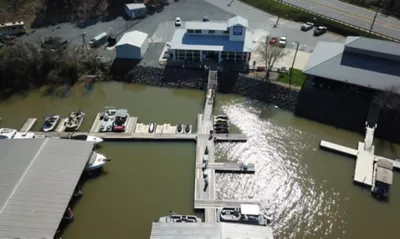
pixel 211 31
pixel 226 32
pixel 197 31
pixel 190 31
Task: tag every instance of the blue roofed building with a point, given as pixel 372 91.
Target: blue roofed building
pixel 229 41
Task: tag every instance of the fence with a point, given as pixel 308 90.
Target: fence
pixel 376 34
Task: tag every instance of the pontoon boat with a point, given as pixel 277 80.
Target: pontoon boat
pixel 74 121
pixel 107 119
pixel 247 213
pixel 121 120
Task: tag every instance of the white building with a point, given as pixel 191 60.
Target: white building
pixel 133 10
pixel 132 45
pixel 229 41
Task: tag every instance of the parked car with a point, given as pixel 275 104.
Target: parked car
pixel 283 41
pixel 205 19
pixel 307 26
pixel 98 40
pixel 178 22
pixel 273 40
pixel 320 30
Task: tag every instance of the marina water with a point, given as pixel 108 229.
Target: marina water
pixel 308 191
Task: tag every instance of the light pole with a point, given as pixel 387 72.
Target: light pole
pixel 376 14
pixel 279 14
pixel 294 59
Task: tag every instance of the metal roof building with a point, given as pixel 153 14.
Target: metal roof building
pixel 37 180
pixel 209 231
pixel 359 61
pixel 132 45
pixel 228 41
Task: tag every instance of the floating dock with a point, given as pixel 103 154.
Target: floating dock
pixel 28 125
pixel 201 204
pixel 96 124
pixel 228 167
pixel 61 125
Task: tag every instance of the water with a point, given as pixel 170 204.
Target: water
pixel 308 191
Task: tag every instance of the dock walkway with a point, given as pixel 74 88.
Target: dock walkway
pixel 28 125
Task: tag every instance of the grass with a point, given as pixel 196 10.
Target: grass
pixel 298 77
pixel 298 15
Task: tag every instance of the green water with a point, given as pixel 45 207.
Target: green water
pixel 308 191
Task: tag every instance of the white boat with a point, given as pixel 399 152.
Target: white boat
pixel 188 129
pixel 85 137
pixel 175 218
pixel 382 178
pixel 121 120
pixel 96 161
pixel 246 213
pixel 74 121
pixel 152 127
pixel 6 133
pixel 107 119
pixel 24 135
pixel 50 123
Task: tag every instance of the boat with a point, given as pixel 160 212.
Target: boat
pixel 68 215
pixel 223 124
pixel 6 133
pixel 96 161
pixel 246 214
pixel 85 137
pixel 179 128
pixel 50 123
pixel 78 192
pixel 74 121
pixel 175 218
pixel 221 117
pixel 24 135
pixel 107 119
pixel 152 127
pixel 220 120
pixel 382 178
pixel 121 120
pixel 188 129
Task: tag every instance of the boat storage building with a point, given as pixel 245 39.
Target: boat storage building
pixel 132 45
pixel 133 10
pixel 229 41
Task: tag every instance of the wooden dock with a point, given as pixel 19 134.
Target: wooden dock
pixel 61 125
pixel 96 124
pixel 28 125
pixel 230 137
pixel 228 167
pixel 201 204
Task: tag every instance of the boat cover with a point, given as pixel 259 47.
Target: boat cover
pixel 384 175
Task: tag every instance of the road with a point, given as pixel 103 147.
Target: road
pixel 352 14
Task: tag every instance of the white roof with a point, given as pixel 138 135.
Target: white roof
pixel 250 209
pixel 222 26
pixel 238 20
pixel 135 38
pixel 183 41
pixel 134 6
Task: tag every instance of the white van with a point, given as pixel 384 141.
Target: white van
pixel 12 28
pixel 98 40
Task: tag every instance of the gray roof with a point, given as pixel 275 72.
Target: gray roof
pixel 37 179
pixel 121 113
pixel 370 45
pixel 384 175
pixel 209 231
pixel 184 41
pixel 135 6
pixel 238 20
pixel 330 60
pixel 217 26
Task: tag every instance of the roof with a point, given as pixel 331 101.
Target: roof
pixel 329 60
pixel 370 46
pixel 209 231
pixel 384 175
pixel 217 26
pixel 121 112
pixel 238 20
pixel 183 41
pixel 134 38
pixel 250 209
pixel 38 177
pixel 134 6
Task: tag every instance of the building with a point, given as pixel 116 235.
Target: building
pixel 229 41
pixel 208 230
pixel 132 45
pixel 347 83
pixel 133 10
pixel 38 178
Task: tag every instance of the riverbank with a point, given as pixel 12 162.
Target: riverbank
pixel 228 82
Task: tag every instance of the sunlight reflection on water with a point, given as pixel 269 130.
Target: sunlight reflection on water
pixel 282 182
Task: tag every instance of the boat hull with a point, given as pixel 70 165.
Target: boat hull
pixel 53 124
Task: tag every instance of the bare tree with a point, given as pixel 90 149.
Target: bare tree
pixel 269 54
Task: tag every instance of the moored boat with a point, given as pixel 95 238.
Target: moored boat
pixel 179 128
pixel 68 215
pixel 188 129
pixel 77 193
pixel 152 127
pixel 175 218
pixel 6 133
pixel 107 119
pixel 85 137
pixel 50 123
pixel 96 161
pixel 121 120
pixel 382 178
pixel 74 121
pixel 246 213
pixel 221 117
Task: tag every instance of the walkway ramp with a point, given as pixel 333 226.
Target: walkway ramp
pixel 338 148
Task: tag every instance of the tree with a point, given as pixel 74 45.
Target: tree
pixel 269 54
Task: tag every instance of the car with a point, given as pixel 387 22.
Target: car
pixel 178 22
pixel 273 40
pixel 320 30
pixel 205 19
pixel 307 26
pixel 282 41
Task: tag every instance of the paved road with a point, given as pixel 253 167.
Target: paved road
pixel 352 14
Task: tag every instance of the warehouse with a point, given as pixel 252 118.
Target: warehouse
pixel 132 45
pixel 133 10
pixel 229 41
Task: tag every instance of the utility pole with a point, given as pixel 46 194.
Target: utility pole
pixel 294 59
pixel 279 15
pixel 376 15
pixel 84 43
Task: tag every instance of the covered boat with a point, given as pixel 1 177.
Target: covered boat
pixel 74 121
pixel 382 178
pixel 246 213
pixel 50 123
pixel 121 120
pixel 175 218
pixel 107 119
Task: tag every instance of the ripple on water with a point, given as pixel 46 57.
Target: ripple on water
pixel 282 183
